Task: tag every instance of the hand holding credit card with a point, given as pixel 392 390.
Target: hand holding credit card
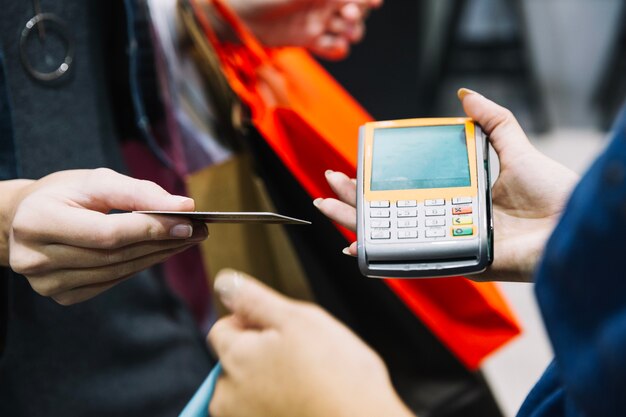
pixel 230 217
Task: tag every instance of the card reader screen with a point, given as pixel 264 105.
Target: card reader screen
pixel 407 158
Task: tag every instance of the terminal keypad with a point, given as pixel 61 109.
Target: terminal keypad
pixel 426 220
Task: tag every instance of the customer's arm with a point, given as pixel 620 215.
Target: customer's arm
pixel 284 358
pixel 10 192
pixel 528 196
pixel 58 232
pixel 326 27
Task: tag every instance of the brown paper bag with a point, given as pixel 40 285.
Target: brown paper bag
pixel 261 250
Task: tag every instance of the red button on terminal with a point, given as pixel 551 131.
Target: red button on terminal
pixel 462 210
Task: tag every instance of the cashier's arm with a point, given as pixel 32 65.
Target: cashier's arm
pixel 528 196
pixel 58 232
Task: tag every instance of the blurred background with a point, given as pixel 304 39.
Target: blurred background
pixel 559 65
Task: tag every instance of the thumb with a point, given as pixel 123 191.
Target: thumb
pixel 505 134
pixel 112 190
pixel 255 304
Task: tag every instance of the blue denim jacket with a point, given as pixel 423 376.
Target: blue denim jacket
pixel 581 290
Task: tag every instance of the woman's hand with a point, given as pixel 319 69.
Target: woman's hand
pixel 528 197
pixel 57 231
pixel 284 358
pixel 326 27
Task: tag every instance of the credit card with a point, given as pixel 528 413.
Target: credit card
pixel 230 217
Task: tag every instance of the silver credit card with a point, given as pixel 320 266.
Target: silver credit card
pixel 230 217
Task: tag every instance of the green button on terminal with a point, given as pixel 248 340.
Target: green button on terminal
pixel 462 231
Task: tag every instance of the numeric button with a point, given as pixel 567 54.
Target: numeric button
pixel 436 222
pixel 380 224
pixel 381 234
pixel 435 232
pixel 380 204
pixel 407 234
pixel 405 224
pixel 380 214
pixel 406 203
pixel 407 213
pixel 435 212
pixel 436 202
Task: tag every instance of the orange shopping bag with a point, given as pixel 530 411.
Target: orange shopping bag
pixel 312 123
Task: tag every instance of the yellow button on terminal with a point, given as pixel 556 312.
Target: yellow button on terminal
pixel 461 220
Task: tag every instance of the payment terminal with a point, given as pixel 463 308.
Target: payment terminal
pixel 423 198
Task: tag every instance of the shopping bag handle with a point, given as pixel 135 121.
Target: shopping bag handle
pixel 247 38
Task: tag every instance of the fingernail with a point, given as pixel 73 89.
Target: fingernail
pixel 181 231
pixel 463 92
pixel 317 202
pixel 346 251
pixel 353 180
pixel 227 284
pixel 328 172
pixel 180 199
